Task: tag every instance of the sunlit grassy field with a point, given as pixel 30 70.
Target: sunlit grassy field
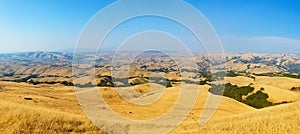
pixel 19 118
pixel 27 108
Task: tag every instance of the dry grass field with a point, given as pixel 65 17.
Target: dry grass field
pixel 41 109
pixel 54 109
pixel 24 119
pixel 282 119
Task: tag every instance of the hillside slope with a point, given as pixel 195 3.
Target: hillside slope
pixel 282 119
pixel 19 118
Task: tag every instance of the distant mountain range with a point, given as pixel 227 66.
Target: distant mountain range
pixel 246 62
pixel 39 55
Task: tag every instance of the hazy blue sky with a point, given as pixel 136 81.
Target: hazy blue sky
pixel 243 25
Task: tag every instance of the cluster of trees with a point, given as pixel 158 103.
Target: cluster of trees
pixel 25 79
pixel 110 82
pixel 66 83
pixel 256 100
pixel 232 91
pixel 106 82
pixel 201 82
pixel 295 88
pixel 29 80
pixel 297 76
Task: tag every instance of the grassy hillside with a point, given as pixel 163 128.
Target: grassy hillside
pixel 28 108
pixel 281 119
pixel 19 118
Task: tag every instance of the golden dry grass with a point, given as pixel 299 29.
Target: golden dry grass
pixel 282 119
pixel 20 118
pixel 54 109
pixel 226 107
pixel 239 80
pixel 279 82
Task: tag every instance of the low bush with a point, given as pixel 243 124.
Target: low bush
pixel 258 100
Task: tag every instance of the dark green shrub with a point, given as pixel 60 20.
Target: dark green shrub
pixel 258 100
pixel 203 82
pixel 106 82
pixel 67 83
pixel 295 88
